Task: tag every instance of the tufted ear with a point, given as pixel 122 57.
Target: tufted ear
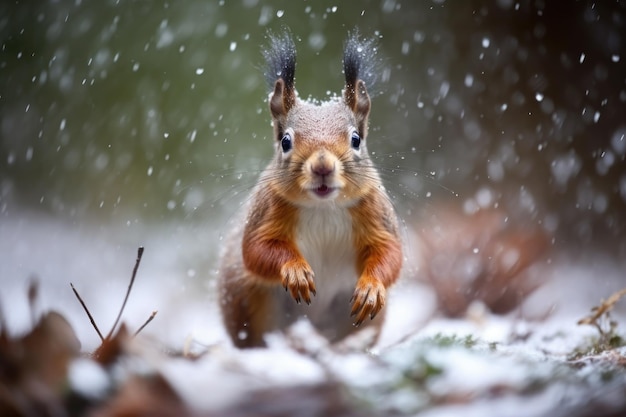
pixel 282 99
pixel 280 59
pixel 357 99
pixel 358 66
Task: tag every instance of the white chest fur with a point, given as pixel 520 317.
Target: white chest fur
pixel 324 237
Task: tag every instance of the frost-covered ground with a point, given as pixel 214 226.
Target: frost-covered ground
pixel 482 365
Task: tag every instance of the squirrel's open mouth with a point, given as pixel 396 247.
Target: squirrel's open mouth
pixel 323 190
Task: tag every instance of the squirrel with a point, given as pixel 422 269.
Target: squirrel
pixel 319 226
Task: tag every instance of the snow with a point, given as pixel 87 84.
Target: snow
pixel 117 135
pixel 466 372
pixel 565 167
pixel 618 141
pixel 484 352
pixel 88 378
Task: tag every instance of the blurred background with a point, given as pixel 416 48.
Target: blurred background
pixel 126 123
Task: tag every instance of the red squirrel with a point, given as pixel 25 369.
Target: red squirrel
pixel 319 226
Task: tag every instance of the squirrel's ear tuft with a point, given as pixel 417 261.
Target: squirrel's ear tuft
pixel 359 62
pixel 280 58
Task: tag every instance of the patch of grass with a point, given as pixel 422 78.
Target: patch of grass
pixel 448 340
pixel 429 369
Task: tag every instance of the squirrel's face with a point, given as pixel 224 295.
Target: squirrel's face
pixel 322 158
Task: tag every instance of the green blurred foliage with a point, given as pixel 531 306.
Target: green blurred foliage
pixel 157 107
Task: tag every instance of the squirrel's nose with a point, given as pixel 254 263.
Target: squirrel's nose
pixel 323 169
pixel 322 163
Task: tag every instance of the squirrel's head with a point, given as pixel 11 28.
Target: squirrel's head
pixel 321 154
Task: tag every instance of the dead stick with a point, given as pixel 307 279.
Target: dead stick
pixel 93 322
pixel 33 295
pixel 3 325
pixel 130 286
pixel 154 313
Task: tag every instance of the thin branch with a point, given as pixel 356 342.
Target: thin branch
pixel 93 322
pixel 33 295
pixel 3 325
pixel 154 313
pixel 603 308
pixel 130 286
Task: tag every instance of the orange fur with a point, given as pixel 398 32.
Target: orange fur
pixel 268 238
pixel 319 224
pixel 379 256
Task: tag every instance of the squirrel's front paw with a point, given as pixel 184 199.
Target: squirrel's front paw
pixel 368 299
pixel 297 278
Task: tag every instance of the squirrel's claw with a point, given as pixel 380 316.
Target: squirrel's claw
pixel 297 278
pixel 368 299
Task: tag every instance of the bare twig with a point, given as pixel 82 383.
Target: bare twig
pixel 93 322
pixel 154 313
pixel 3 324
pixel 130 286
pixel 603 308
pixel 33 295
pixel 600 318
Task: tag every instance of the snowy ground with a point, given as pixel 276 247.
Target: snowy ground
pixel 483 365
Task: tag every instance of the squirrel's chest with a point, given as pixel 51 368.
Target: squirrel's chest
pixel 324 237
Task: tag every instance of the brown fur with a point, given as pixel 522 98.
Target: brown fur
pixel 266 254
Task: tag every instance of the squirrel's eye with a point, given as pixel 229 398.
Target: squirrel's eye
pixel 356 140
pixel 285 142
